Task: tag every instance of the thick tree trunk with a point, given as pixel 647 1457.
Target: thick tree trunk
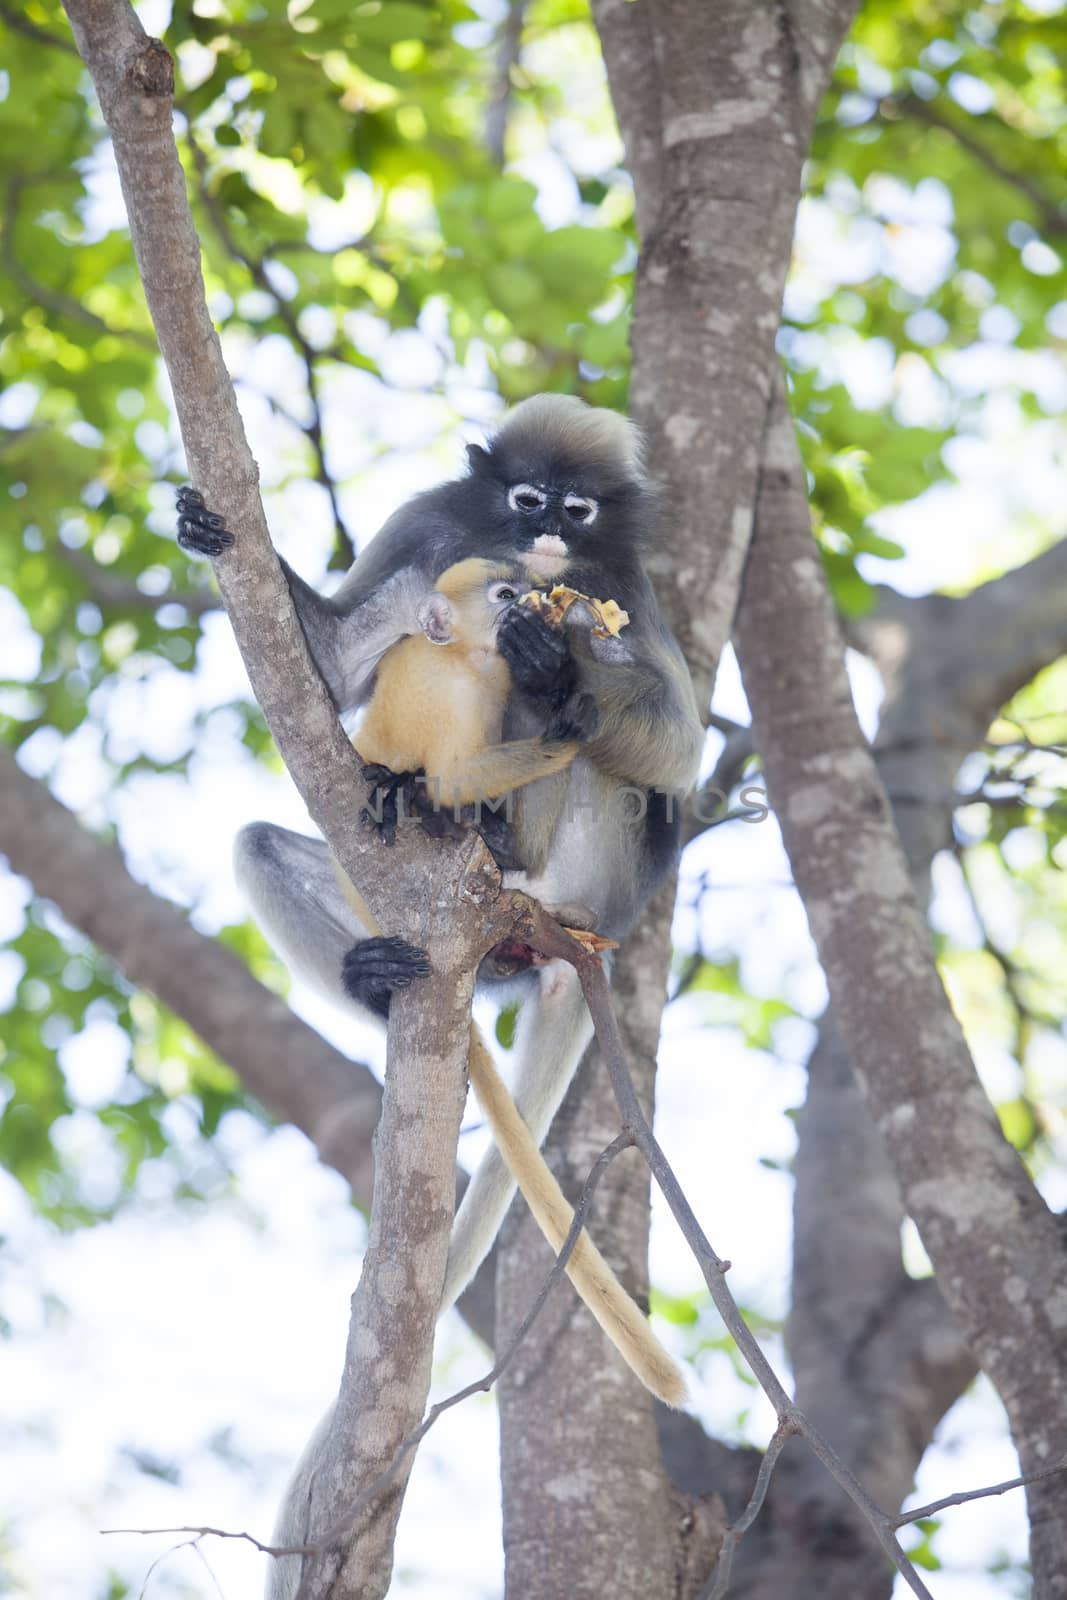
pixel 577 1430
pixel 571 1413
pixel 994 1245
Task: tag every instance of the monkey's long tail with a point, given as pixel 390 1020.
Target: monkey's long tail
pixel 551 1041
pixel 492 1186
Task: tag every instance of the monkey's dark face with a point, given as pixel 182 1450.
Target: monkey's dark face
pixel 558 514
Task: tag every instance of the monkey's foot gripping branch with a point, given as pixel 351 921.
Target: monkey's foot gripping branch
pixel 199 529
pixel 391 795
pixel 493 828
pixel 375 969
pixel 394 796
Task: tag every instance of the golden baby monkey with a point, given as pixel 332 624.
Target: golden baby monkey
pixel 439 700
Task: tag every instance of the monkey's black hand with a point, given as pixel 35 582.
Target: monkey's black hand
pixel 392 795
pixel 199 529
pixel 538 655
pixel 578 719
pixel 375 969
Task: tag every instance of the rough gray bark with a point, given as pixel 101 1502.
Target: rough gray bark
pixel 715 105
pixel 924 1358
pixel 569 1402
pixel 396 1304
pixel 670 68
pixel 949 665
pixel 600 1420
pixel 877 1359
pixel 600 1519
pixel 993 1243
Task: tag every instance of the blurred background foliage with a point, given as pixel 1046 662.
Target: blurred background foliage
pixel 427 197
pixel 410 211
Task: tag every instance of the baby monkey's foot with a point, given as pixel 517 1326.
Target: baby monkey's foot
pixel 441 822
pixel 374 969
pixel 391 795
pixel 199 529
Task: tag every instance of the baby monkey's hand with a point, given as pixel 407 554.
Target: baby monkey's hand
pixel 577 719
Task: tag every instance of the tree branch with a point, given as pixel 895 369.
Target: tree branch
pixel 331 1099
pixel 979 1215
pixel 569 1397
pixel 257 270
pixel 509 40
pixel 342 1531
pixel 1053 217
pixel 965 1495
pixel 396 1303
pixel 551 940
pixel 719 1583
pixel 718 175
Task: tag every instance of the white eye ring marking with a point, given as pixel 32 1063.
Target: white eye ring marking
pixel 526 497
pixel 503 593
pixel 580 509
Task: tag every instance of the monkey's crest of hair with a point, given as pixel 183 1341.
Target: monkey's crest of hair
pixel 564 423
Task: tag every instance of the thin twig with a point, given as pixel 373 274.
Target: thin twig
pixel 206 1564
pixel 336 1535
pixel 964 1495
pixel 550 939
pixel 1053 217
pixel 719 1582
pixel 164 1555
pixel 509 40
pixel 257 270
pixel 203 1533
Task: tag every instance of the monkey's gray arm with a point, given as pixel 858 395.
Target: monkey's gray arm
pixel 349 632
pixel 649 733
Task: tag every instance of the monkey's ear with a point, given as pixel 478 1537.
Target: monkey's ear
pixel 434 617
pixel 478 460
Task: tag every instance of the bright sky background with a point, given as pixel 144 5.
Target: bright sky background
pixel 213 1338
